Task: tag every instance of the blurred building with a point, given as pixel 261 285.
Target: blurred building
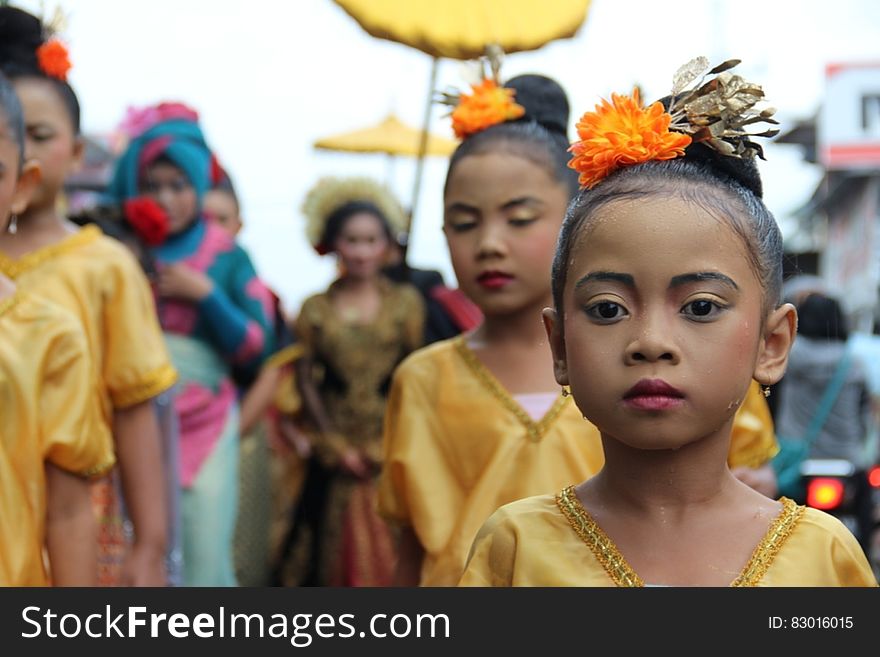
pixel 839 227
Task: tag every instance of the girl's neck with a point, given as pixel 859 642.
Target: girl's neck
pixel 353 285
pixel 36 228
pixel 665 481
pixel 522 327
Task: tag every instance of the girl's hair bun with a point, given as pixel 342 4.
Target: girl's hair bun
pixel 544 100
pixel 21 34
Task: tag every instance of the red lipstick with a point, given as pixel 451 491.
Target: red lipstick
pixel 493 279
pixel 653 395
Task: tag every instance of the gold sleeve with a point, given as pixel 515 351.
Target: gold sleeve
pixel 492 556
pixel 137 366
pixel 753 440
pixel 417 485
pixel 72 429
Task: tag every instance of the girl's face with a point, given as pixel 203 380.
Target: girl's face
pixel 362 246
pixel 223 208
pixel 50 138
pixel 16 187
pixel 501 220
pixel 662 324
pixel 171 189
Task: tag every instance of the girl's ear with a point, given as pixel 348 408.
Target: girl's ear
pixel 553 325
pixel 79 152
pixel 27 182
pixel 779 333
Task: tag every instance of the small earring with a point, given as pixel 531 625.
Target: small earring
pixel 765 390
pixel 12 229
pixel 566 392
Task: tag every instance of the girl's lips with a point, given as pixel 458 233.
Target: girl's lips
pixel 653 395
pixel 494 280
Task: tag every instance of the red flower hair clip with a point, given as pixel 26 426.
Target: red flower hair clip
pixel 148 219
pixel 54 59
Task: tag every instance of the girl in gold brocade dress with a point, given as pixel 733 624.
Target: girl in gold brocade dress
pixel 49 446
pixel 477 422
pixel 100 282
pixel 667 281
pixel 354 335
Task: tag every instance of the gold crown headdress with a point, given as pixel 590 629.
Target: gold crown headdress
pixel 714 112
pixel 489 102
pixel 331 193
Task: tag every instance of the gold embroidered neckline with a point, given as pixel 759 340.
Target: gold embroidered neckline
pixel 536 430
pixel 622 574
pixel 33 259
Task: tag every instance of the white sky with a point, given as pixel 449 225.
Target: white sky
pixel 270 77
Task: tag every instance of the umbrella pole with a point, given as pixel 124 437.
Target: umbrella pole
pixel 423 148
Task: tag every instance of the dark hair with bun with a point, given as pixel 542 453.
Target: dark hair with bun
pixel 21 34
pixel 727 187
pixel 11 114
pixel 541 135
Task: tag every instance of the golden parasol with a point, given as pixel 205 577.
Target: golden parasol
pixel 462 29
pixel 390 136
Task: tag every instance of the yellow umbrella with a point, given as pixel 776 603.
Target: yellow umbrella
pixel 461 29
pixel 391 136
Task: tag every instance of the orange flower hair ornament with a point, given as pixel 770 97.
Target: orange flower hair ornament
pixel 488 104
pixel 54 60
pixel 715 112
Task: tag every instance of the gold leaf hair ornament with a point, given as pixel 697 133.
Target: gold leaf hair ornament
pixel 488 104
pixel 715 112
pixel 330 194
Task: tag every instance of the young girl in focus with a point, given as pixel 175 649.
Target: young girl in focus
pixel 478 421
pixel 101 283
pixel 666 306
pixel 49 443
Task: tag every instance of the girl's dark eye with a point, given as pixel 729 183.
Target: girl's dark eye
pixel 701 309
pixel 521 221
pixel 462 226
pixel 606 311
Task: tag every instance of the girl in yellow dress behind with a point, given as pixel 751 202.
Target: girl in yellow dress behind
pixel 49 446
pixel 666 306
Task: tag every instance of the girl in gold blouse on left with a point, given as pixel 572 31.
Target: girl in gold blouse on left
pixel 48 443
pixel 101 283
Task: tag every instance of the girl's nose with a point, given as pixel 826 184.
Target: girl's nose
pixel 653 341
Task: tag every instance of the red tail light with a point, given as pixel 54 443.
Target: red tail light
pixel 874 476
pixel 824 493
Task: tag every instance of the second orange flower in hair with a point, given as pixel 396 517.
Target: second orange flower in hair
pixel 54 60
pixel 488 105
pixel 623 133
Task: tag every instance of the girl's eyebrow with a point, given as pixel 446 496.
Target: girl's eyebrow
pixel 522 200
pixel 683 279
pixel 461 207
pixel 626 279
pixel 697 277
